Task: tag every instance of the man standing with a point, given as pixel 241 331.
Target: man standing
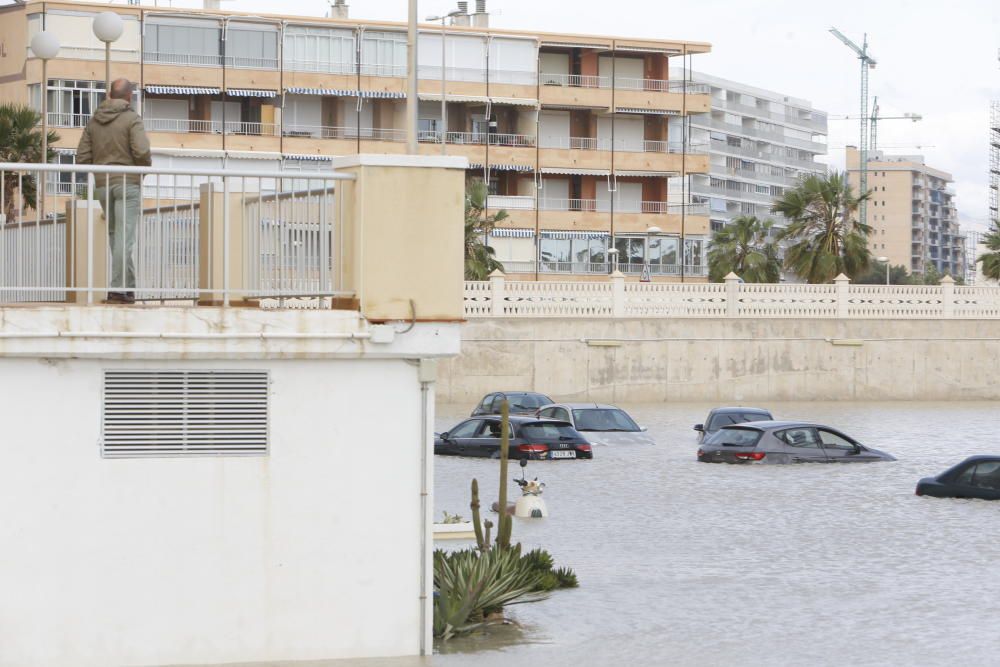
pixel 115 135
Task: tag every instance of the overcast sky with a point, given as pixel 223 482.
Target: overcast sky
pixel 938 59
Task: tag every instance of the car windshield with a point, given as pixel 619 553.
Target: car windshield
pixel 737 437
pixel 548 431
pixel 728 418
pixel 603 419
pixel 527 401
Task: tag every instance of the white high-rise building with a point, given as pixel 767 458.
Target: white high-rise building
pixel 760 143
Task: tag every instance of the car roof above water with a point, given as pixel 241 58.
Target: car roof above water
pixel 770 425
pixel 726 410
pixel 586 406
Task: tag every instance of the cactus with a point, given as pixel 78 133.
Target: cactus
pixel 506 522
pixel 486 542
pixel 476 522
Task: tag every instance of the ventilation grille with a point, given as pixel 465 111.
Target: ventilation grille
pixel 184 413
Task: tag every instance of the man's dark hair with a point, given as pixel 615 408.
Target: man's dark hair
pixel 121 89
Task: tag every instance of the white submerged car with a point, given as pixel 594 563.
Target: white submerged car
pixel 599 424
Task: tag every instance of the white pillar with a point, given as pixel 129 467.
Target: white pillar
pixel 497 293
pixel 732 295
pixel 843 294
pixel 948 296
pixel 617 294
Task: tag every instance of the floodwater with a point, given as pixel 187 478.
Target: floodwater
pixel 687 563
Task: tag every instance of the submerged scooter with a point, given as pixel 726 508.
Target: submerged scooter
pixel 530 505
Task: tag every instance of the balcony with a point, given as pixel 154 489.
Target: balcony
pixel 817 122
pixel 661 95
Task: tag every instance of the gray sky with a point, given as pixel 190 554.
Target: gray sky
pixel 938 59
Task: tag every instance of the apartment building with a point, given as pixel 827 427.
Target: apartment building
pixel 759 143
pixel 911 212
pixel 577 136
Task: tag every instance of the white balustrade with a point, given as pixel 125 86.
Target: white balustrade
pixel 615 297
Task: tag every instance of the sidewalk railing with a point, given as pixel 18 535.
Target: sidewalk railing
pixel 233 236
pixel 618 298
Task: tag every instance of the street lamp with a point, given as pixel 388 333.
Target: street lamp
pixel 444 105
pixel 45 45
pixel 613 259
pixel 108 27
pixel 645 269
pixel 886 260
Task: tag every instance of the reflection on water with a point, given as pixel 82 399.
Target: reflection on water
pixel 686 563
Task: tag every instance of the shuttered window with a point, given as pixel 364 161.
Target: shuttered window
pixel 184 413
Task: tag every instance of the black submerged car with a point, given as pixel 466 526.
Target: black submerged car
pixel 785 442
pixel 975 477
pixel 530 438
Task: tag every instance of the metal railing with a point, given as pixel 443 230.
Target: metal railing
pixel 209 235
pixel 326 132
pixel 59 119
pixel 574 80
pixel 618 298
pixel 169 58
pixel 96 53
pixel 182 126
pixel 575 143
pixel 511 202
pixel 379 69
pixel 251 128
pixel 661 86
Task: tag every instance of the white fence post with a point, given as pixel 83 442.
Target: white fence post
pixel 617 294
pixel 947 296
pixel 732 295
pixel 843 294
pixel 496 293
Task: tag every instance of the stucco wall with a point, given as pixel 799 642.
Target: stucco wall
pixel 309 552
pixel 727 360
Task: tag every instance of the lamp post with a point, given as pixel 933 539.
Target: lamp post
pixel 45 45
pixel 444 77
pixel 613 259
pixel 886 260
pixel 108 27
pixel 646 277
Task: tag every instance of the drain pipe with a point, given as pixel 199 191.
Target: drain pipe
pixel 427 375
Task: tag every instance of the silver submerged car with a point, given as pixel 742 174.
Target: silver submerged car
pixel 785 442
pixel 720 417
pixel 599 424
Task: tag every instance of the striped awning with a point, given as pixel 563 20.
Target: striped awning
pixel 335 92
pixel 181 90
pixel 652 112
pixel 308 158
pixel 516 101
pixel 64 151
pixel 575 235
pixel 652 174
pixel 503 232
pixel 567 171
pixel 436 97
pixel 502 167
pixel 380 94
pixel 249 92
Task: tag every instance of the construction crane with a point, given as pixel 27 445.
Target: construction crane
pixel 867 63
pixel 875 118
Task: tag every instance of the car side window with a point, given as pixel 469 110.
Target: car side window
pixel 546 413
pixel 987 475
pixel 833 440
pixel 466 429
pixel 799 437
pixel 561 413
pixel 490 429
pixel 497 402
pixel 486 402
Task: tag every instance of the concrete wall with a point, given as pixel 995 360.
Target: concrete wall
pixel 727 360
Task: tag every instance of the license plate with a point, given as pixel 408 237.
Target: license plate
pixel 563 454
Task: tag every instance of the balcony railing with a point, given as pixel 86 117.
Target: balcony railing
pixel 182 126
pixel 575 143
pixel 818 121
pixel 58 119
pixel 511 202
pixel 379 69
pixel 285 245
pixel 574 80
pixel 96 53
pixel 169 58
pixel 251 128
pixel 661 86
pixel 622 206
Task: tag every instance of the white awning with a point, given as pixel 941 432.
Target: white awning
pixel 502 167
pixel 436 97
pixel 516 101
pixel 575 172
pixel 336 92
pixel 380 94
pixel 181 90
pixel 647 49
pixel 574 235
pixel 503 232
pixel 248 92
pixel 253 155
pixel 308 157
pixel 652 112
pixel 575 45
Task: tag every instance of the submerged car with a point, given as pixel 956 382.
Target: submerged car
pixel 719 417
pixel 520 403
pixel 530 438
pixel 600 424
pixel 785 442
pixel 975 477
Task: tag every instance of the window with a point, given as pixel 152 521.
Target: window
pixel 486 401
pixel 181 42
pixel 71 102
pixel 985 475
pixel 184 413
pixel 833 440
pixel 728 418
pixel 383 53
pixel 309 49
pixel 548 431
pixel 799 437
pixel 466 429
pixel 254 46
pixel 734 435
pixel 597 419
pixel 578 254
pixel 491 429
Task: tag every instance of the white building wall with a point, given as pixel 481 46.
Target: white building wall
pixel 309 552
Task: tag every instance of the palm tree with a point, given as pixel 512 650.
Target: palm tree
pixel 991 259
pixel 479 259
pixel 21 141
pixel 825 237
pixel 743 248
